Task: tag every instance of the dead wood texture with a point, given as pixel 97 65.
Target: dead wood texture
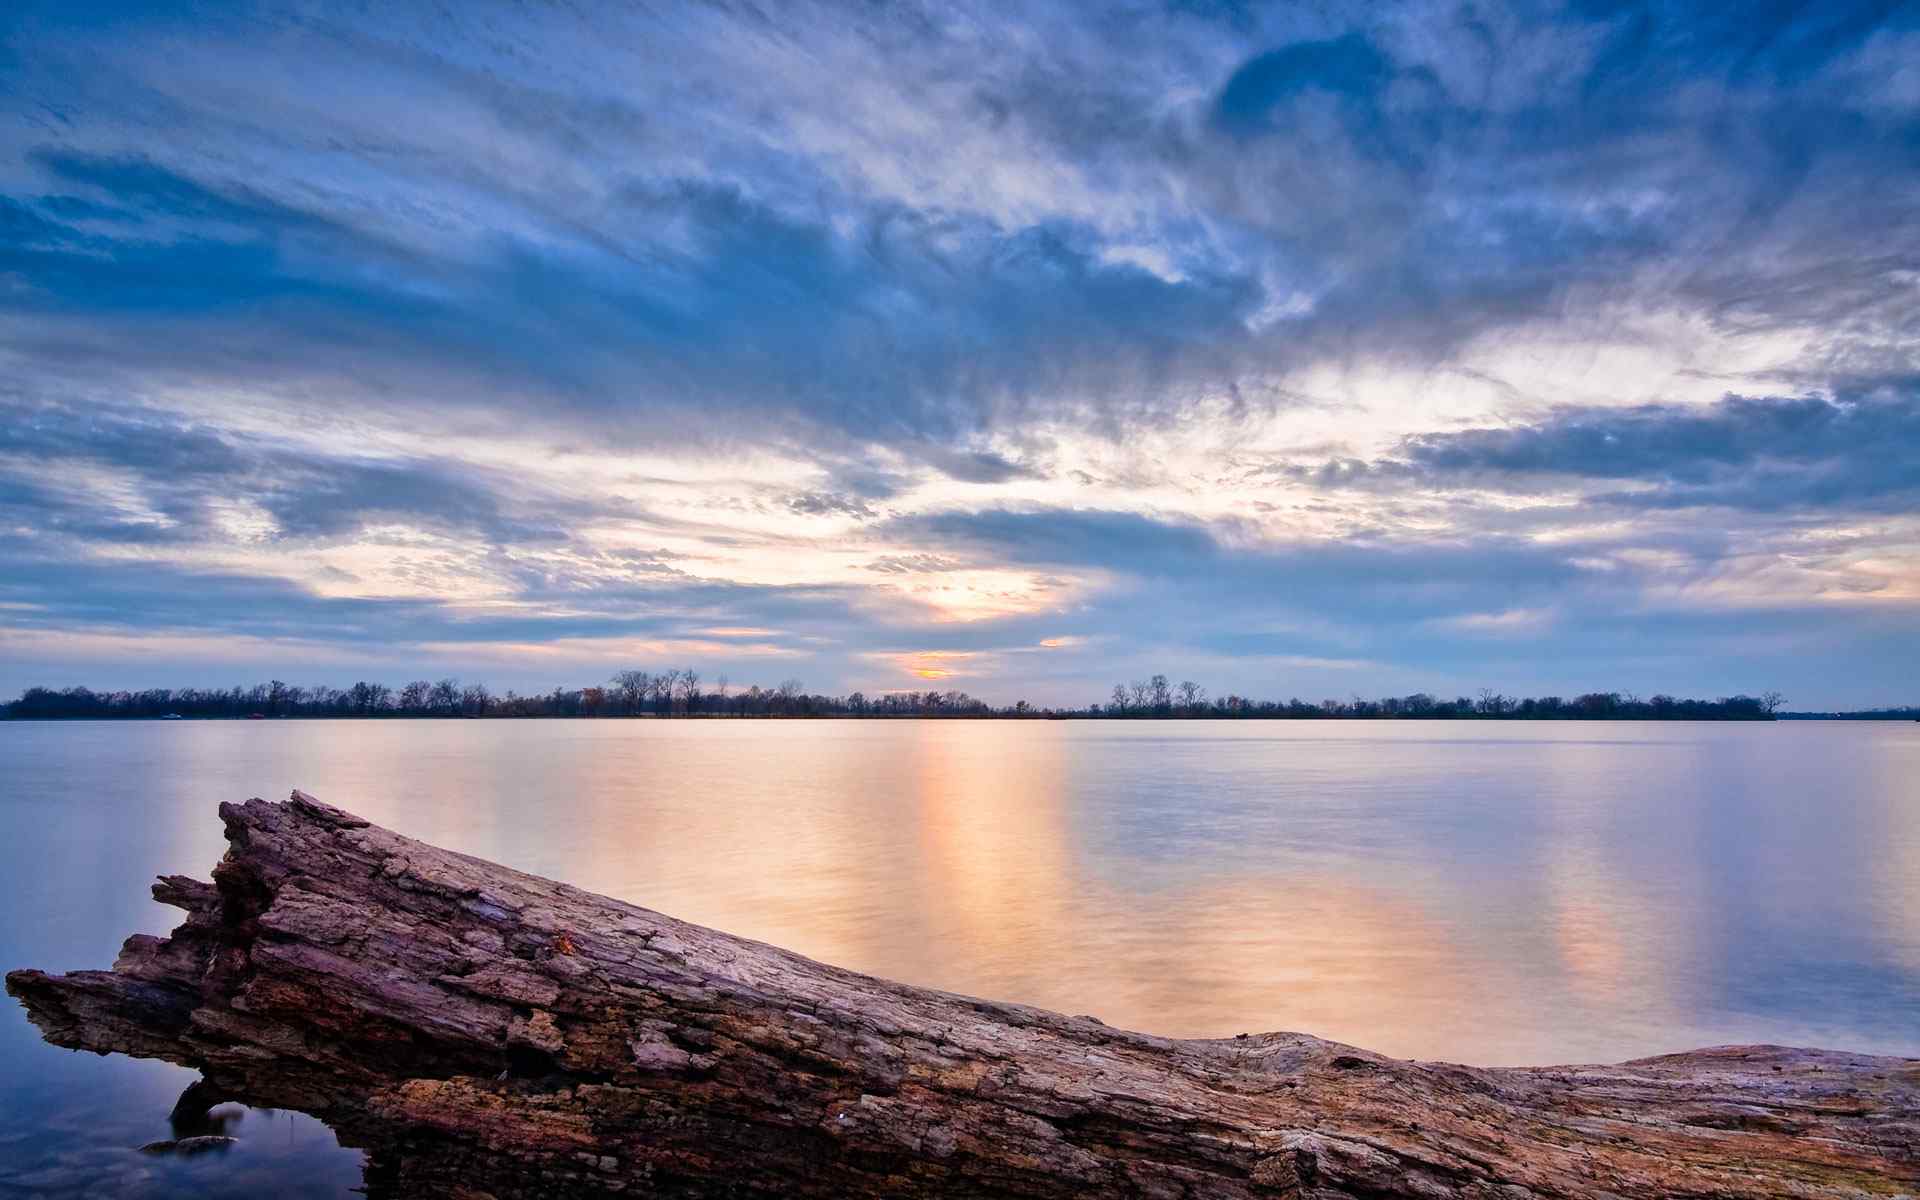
pixel 482 1031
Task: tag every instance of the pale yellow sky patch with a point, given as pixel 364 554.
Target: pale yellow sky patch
pixel 932 666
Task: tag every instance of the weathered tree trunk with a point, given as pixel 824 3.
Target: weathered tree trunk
pixel 486 1031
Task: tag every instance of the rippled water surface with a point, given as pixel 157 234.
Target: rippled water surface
pixel 1491 893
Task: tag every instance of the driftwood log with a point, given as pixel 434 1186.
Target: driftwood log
pixel 487 1032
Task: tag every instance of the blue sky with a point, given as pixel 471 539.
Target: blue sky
pixel 1303 350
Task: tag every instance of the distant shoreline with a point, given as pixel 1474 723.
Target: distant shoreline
pixel 1777 718
pixel 995 716
pixel 1908 715
pixel 682 693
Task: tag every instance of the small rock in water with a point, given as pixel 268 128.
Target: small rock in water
pixel 189 1146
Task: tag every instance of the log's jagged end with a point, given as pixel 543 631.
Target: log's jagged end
pixel 474 1026
pixel 325 814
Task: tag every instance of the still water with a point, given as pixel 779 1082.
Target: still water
pixel 1495 894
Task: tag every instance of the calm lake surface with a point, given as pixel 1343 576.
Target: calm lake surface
pixel 1488 893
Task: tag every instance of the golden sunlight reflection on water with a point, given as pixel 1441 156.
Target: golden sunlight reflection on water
pixel 1482 893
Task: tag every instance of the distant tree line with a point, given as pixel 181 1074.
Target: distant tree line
pixel 1157 698
pixel 1910 712
pixel 683 693
pixel 631 693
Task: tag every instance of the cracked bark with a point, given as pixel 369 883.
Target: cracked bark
pixel 482 1031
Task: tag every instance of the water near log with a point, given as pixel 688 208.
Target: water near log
pixel 483 1031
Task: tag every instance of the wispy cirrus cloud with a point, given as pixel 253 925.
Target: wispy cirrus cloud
pixel 1853 452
